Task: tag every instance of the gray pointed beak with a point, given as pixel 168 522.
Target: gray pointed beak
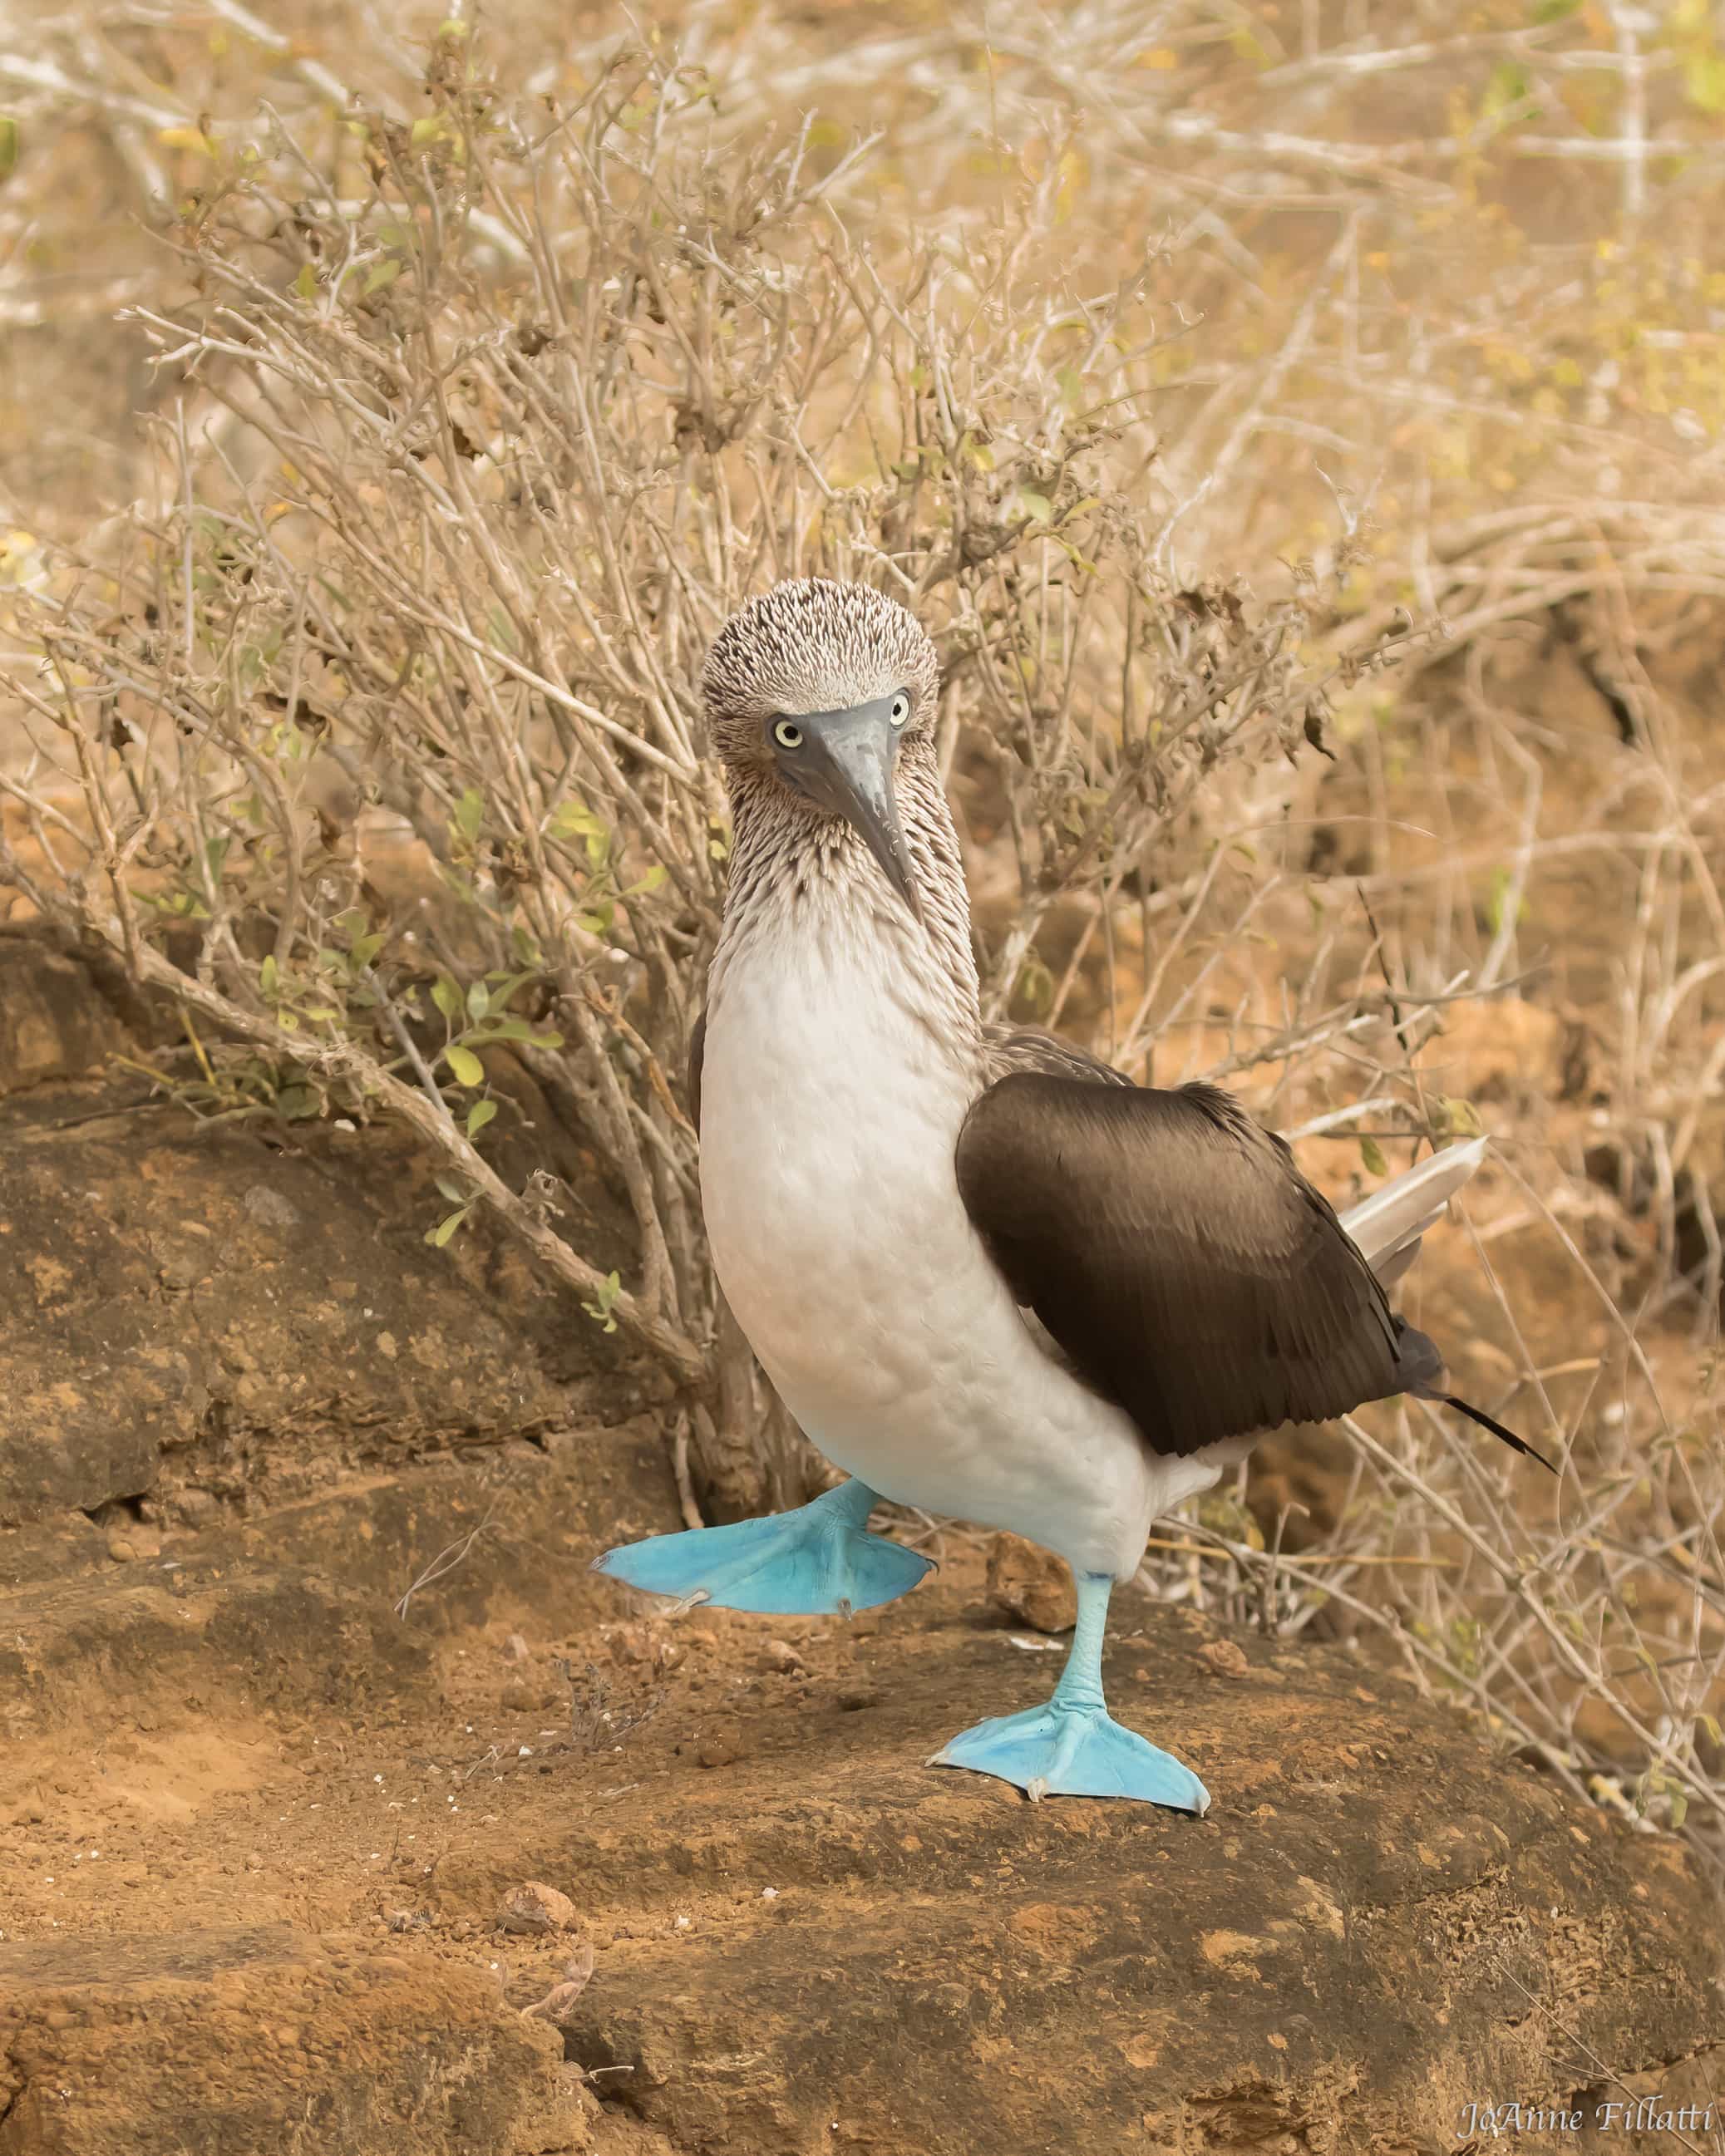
pixel 846 765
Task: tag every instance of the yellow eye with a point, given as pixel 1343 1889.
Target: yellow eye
pixel 788 734
pixel 900 711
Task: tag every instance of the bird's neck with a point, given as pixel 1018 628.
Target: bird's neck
pixel 804 881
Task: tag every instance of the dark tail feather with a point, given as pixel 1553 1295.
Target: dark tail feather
pixel 1421 1368
pixel 1516 1444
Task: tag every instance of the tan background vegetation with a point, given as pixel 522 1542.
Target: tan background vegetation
pixel 1300 424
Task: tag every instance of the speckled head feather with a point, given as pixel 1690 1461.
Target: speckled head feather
pixel 812 646
pixel 799 874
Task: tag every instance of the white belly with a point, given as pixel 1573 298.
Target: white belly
pixel 829 1119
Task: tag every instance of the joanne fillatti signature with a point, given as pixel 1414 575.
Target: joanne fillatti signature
pixel 1645 2114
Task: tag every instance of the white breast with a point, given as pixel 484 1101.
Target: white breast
pixel 830 1114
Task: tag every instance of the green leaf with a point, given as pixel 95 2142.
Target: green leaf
pixel 305 284
pixel 366 948
pixel 466 1065
pixel 479 1115
pixel 1036 506
pixel 1506 86
pixel 1372 1155
pixel 447 997
pixel 479 1001
pixel 380 274
pixel 297 1104
pixel 470 813
pixel 599 1309
pixel 517 1028
pixel 1461 1117
pixel 1500 903
pixel 454 1191
pixel 1035 984
pixel 1555 11
pixel 1082 562
pixel 268 977
pixel 1704 82
pixel 426 130
pixel 440 1234
pixel 573 819
pixel 9 139
pixel 504 985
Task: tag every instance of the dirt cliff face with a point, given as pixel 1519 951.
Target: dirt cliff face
pixel 205 1318
pixel 266 1837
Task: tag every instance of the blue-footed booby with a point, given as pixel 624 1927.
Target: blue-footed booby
pixel 989 1275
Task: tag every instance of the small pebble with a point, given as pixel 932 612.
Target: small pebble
pixel 1225 1657
pixel 128 1545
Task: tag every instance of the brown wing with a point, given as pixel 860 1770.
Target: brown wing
pixel 1009 1047
pixel 697 1057
pixel 1177 1256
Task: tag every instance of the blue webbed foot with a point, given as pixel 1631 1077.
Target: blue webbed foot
pixel 1073 1747
pixel 817 1561
pixel 1062 1751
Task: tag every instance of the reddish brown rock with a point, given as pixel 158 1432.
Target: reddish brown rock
pixel 535 1907
pixel 1028 1585
pixel 243 2039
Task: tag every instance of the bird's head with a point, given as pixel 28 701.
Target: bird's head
pixel 816 688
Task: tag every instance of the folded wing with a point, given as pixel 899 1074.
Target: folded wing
pixel 1174 1252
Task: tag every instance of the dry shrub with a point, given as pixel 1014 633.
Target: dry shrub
pixel 386 729
pixel 370 734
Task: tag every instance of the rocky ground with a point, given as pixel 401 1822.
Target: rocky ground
pixel 526 1867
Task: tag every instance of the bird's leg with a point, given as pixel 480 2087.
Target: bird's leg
pixel 1073 1747
pixel 816 1561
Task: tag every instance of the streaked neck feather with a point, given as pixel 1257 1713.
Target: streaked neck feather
pixel 799 876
